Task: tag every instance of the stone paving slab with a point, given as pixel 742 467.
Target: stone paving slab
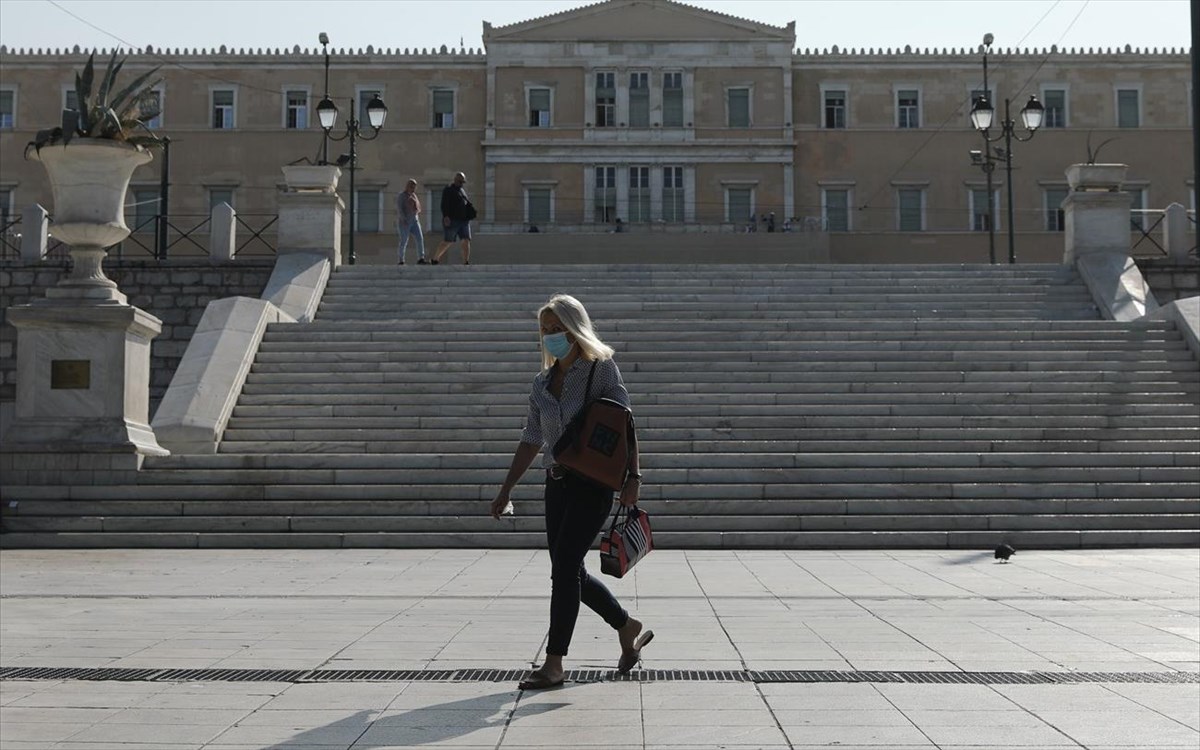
pixel 938 611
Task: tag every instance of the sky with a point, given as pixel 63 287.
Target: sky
pixel 820 24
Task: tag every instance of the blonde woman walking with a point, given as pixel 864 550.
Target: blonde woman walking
pixel 576 509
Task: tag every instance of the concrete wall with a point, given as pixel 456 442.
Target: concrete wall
pixel 1170 280
pixel 176 292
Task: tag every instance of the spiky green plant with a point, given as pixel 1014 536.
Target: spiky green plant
pixel 112 114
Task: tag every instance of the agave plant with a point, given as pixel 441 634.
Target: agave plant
pixel 111 114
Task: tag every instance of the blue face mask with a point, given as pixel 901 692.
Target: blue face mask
pixel 557 345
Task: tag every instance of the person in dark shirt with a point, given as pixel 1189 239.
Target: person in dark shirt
pixel 457 212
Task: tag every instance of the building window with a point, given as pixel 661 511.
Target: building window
pixel 835 204
pixel 1129 113
pixel 606 195
pixel 606 99
pixel 8 109
pixel 1137 217
pixel 537 205
pixel 367 213
pixel 296 116
pixel 141 209
pixel 153 103
pixel 70 99
pixel 1055 102
pixel 365 95
pixel 834 103
pixel 1055 219
pixel 979 210
pixel 223 109
pixel 539 108
pixel 639 100
pixel 433 209
pixel 673 100
pixel 908 108
pixel 910 202
pixel 739 202
pixel 672 197
pixel 443 108
pixel 219 195
pixel 738 104
pixel 639 194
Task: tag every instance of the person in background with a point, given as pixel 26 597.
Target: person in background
pixel 408 222
pixel 457 212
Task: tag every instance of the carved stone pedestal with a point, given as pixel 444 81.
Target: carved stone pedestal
pixel 83 375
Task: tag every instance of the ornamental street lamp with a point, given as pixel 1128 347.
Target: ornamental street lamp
pixel 982 115
pixel 327 113
pixel 324 39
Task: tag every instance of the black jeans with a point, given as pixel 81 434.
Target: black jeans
pixel 576 511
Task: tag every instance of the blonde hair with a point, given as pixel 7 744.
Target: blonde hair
pixel 578 323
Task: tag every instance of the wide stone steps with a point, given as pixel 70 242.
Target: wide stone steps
pixel 261 442
pixel 777 406
pixel 510 539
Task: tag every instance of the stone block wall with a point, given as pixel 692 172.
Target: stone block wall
pixel 1169 279
pixel 175 291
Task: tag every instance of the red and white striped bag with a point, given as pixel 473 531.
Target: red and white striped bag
pixel 627 541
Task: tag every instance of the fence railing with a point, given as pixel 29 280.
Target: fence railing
pixel 157 236
pixel 1163 232
pixel 10 238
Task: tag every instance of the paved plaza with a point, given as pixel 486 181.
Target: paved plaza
pixel 804 649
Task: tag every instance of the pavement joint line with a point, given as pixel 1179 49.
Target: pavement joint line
pixel 488 674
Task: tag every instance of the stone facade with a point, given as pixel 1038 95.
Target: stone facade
pixel 1171 280
pixel 176 292
pixel 874 142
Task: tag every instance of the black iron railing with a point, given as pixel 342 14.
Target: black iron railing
pixel 10 238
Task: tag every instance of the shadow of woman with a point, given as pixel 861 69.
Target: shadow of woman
pixel 423 725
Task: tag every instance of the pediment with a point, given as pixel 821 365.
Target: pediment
pixel 638 20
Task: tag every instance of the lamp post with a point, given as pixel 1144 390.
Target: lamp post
pixel 986 164
pixel 982 115
pixel 376 115
pixel 324 39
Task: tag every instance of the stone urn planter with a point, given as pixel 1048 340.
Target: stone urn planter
pixel 319 177
pixel 1104 178
pixel 89 179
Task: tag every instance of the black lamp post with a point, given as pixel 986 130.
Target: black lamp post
pixel 982 115
pixel 324 39
pixel 376 115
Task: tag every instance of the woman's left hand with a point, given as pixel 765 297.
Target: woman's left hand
pixel 630 492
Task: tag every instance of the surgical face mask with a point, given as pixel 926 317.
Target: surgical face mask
pixel 557 345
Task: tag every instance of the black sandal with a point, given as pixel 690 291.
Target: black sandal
pixel 630 658
pixel 538 681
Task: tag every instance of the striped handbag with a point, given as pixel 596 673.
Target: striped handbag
pixel 628 540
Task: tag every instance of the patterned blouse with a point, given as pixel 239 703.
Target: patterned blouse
pixel 548 416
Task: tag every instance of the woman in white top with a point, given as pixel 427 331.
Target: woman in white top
pixel 576 510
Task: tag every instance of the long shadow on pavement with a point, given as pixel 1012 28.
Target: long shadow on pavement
pixel 431 724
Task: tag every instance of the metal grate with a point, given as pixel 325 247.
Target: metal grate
pixel 119 674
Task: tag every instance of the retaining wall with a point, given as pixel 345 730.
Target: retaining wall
pixel 176 292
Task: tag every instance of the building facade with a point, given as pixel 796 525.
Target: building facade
pixel 671 118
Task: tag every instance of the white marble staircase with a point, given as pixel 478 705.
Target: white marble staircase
pixel 778 406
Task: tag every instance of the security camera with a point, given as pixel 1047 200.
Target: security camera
pixel 323 38
pixel 976 157
pixel 987 40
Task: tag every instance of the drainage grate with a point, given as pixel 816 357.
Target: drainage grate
pixel 120 674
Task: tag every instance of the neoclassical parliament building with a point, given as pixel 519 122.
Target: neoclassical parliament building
pixel 671 118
